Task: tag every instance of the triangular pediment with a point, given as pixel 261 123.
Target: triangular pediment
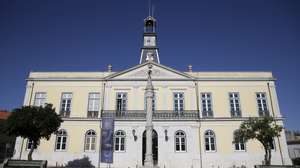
pixel 159 72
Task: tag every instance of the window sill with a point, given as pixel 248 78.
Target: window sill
pixel 120 151
pixel 89 151
pixel 180 151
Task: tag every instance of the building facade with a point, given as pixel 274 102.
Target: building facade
pixel 195 114
pixel 293 142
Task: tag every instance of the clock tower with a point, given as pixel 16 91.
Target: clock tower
pixel 149 50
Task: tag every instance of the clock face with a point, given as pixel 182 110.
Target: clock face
pixel 149 41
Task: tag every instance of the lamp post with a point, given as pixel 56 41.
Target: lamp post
pixel 149 125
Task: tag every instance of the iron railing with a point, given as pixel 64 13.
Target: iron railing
pixel 157 115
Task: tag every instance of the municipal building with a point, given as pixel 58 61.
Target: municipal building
pixel 195 114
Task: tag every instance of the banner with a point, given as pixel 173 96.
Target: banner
pixel 107 133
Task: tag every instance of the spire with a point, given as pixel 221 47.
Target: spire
pixel 149 50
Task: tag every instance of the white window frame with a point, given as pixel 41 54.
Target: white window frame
pixel 181 141
pixel 259 101
pixel 90 141
pixel 118 141
pixel 63 109
pixel 179 100
pixel 210 137
pixel 93 104
pixel 236 110
pixel 124 102
pixel 40 99
pixel 205 106
pixel 62 134
pixel 239 144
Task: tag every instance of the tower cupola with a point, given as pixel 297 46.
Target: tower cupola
pixel 149 49
pixel 149 24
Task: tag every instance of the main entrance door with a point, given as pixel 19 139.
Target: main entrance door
pixel 154 146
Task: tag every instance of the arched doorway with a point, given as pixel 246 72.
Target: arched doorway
pixel 154 146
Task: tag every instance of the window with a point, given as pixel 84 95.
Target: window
pixel 234 105
pixel 180 141
pixel 90 141
pixel 178 102
pixel 210 140
pixel 93 105
pixel 239 145
pixel 121 103
pixel 40 99
pixel 120 141
pixel 65 108
pixel 61 140
pixel 29 144
pixel 206 105
pixel 262 104
pixel 153 102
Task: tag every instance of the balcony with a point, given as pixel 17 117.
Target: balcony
pixel 236 113
pixel 264 113
pixel 157 115
pixel 207 114
pixel 64 114
pixel 92 114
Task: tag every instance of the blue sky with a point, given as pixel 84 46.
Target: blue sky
pixel 212 35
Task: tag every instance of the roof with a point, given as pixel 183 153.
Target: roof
pixel 206 76
pixel 4 115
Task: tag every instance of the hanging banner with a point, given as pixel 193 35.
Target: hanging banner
pixel 107 133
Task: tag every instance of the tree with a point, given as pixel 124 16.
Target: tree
pixel 33 123
pixel 262 129
pixel 7 143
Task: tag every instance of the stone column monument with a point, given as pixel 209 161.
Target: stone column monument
pixel 148 163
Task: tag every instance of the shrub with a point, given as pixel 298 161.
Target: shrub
pixel 80 163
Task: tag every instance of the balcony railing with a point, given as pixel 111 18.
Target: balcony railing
pixel 92 114
pixel 157 115
pixel 235 113
pixel 65 114
pixel 264 113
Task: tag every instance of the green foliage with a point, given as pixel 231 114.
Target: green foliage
pixel 3 137
pixel 80 163
pixel 33 123
pixel 261 129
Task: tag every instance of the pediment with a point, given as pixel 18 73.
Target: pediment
pixel 159 72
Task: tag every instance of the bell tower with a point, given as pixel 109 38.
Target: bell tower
pixel 149 50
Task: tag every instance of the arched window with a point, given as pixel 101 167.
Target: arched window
pixel 210 140
pixel 61 140
pixel 180 141
pixel 90 141
pixel 120 141
pixel 239 145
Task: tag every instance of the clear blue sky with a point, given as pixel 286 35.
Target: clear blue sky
pixel 86 35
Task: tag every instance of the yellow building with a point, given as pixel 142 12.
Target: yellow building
pixel 195 114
